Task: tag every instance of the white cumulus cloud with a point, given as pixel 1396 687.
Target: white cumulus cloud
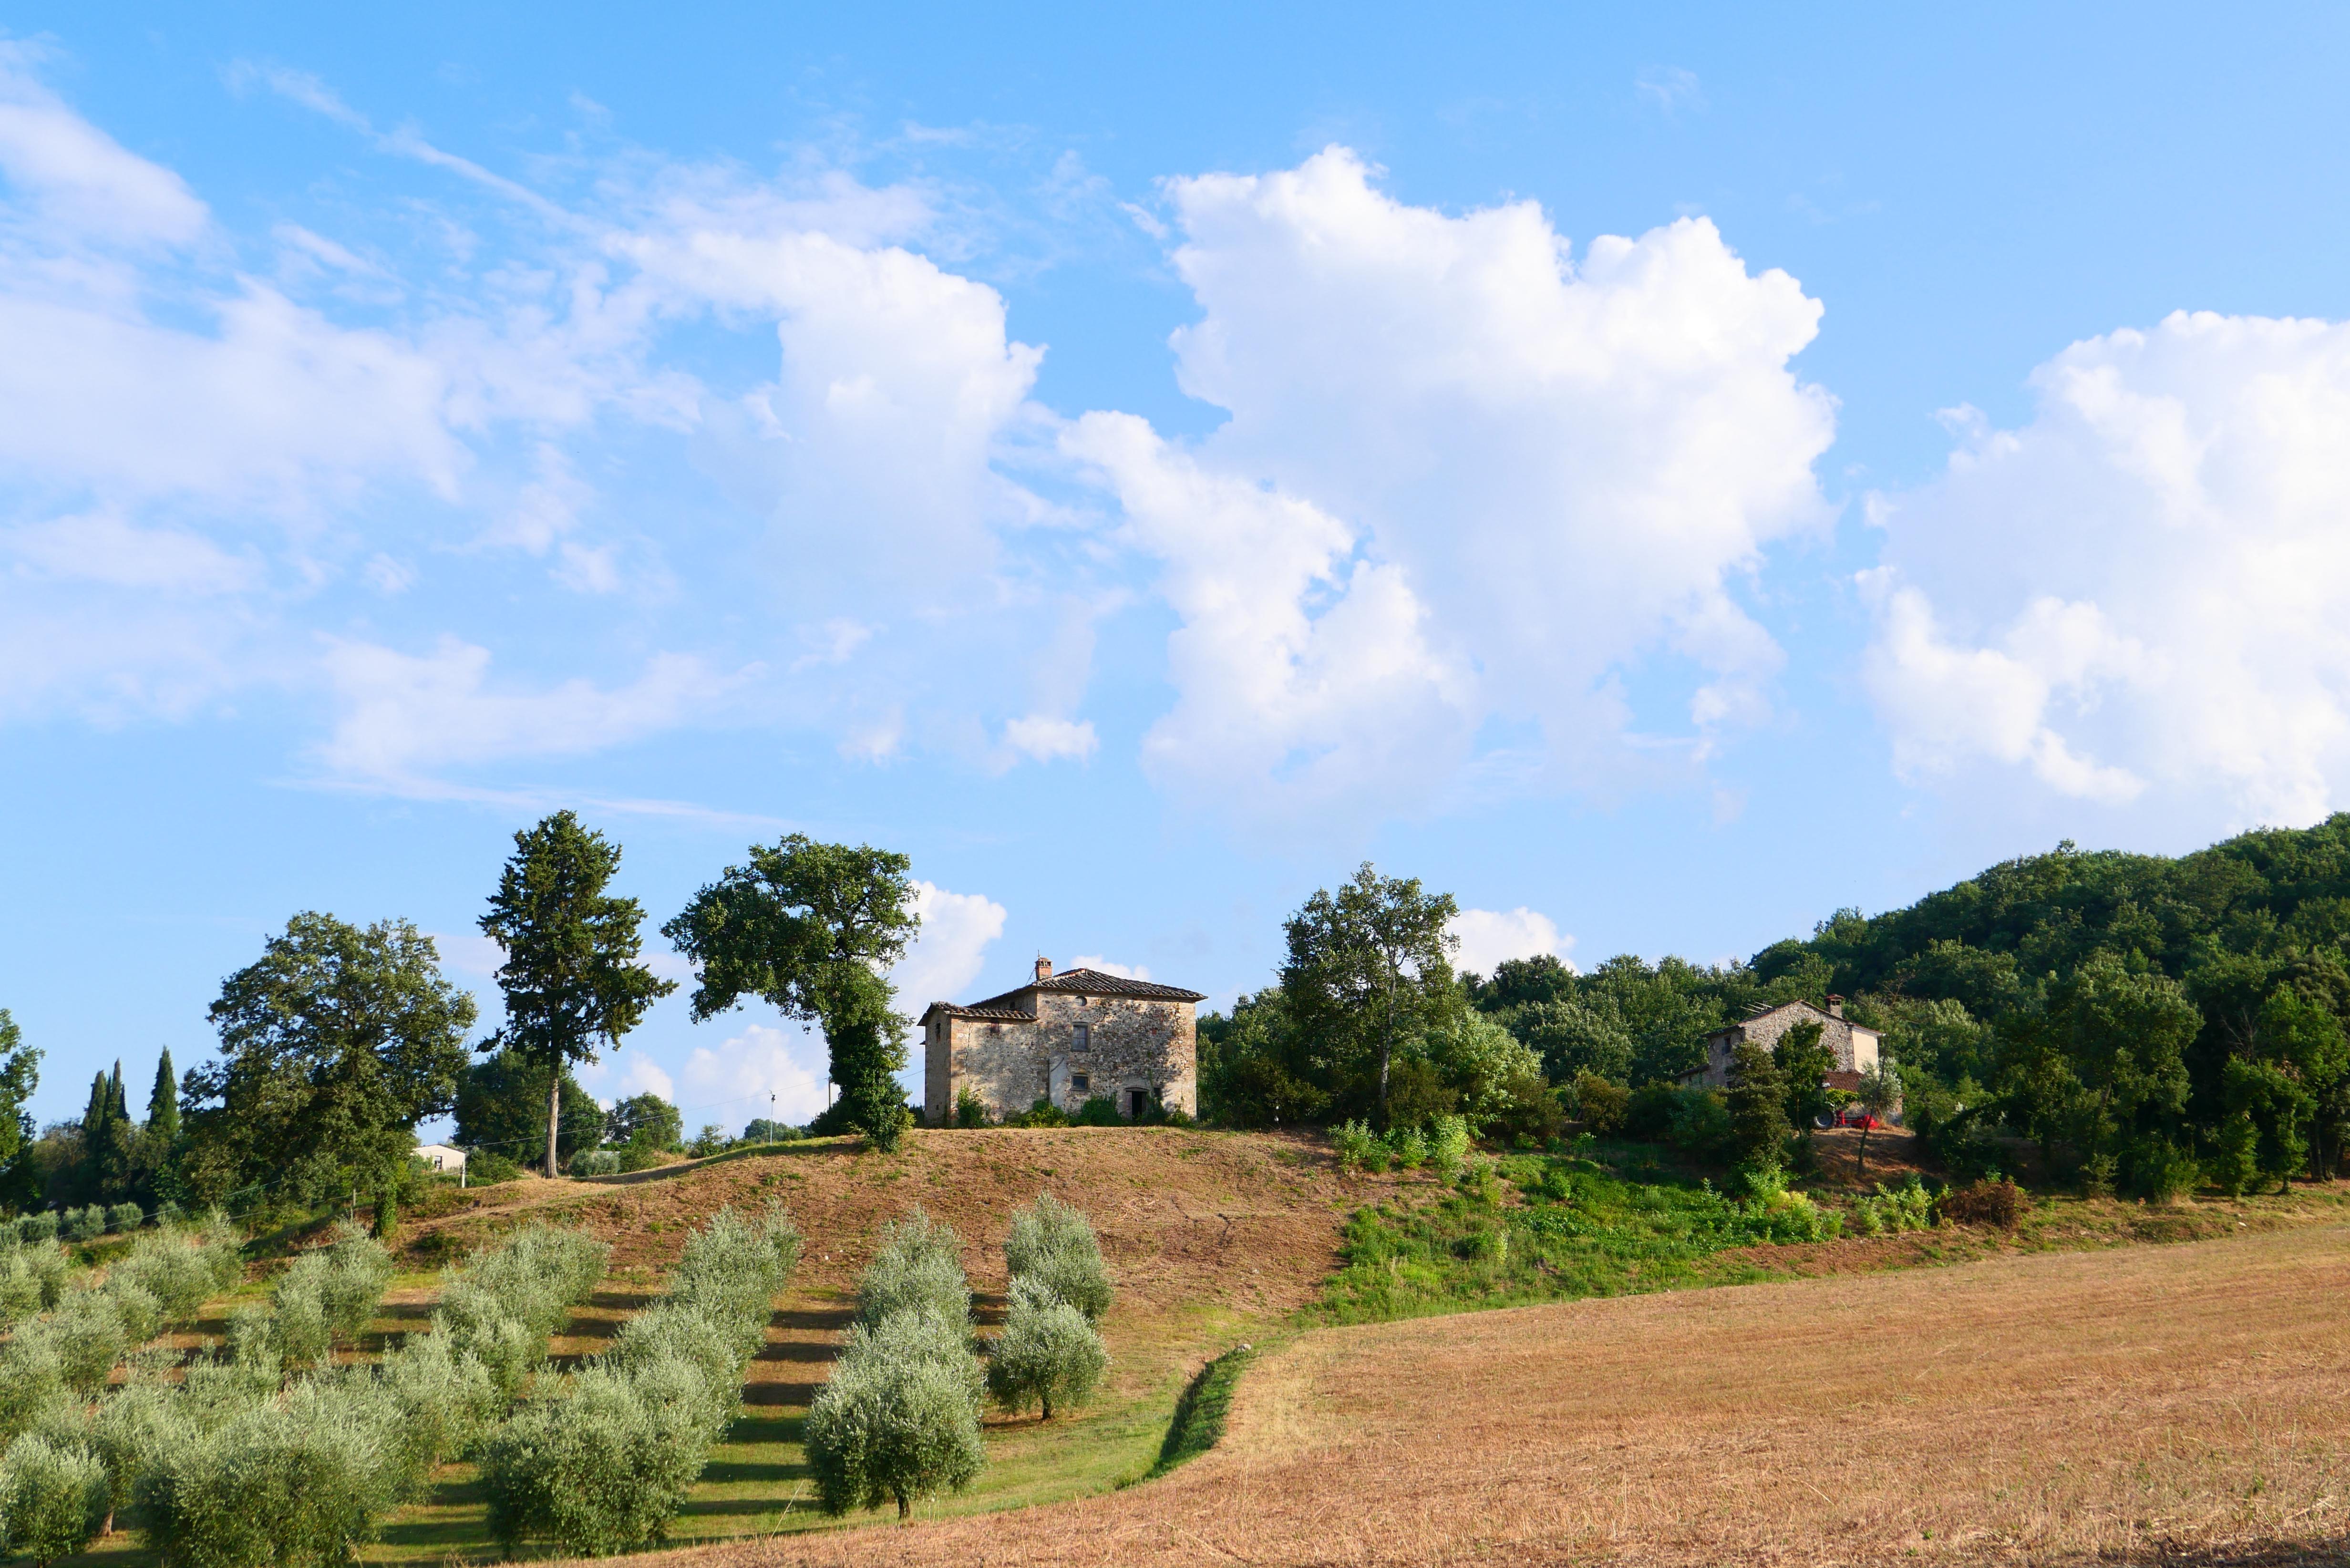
pixel 2136 597
pixel 762 1072
pixel 1464 476
pixel 952 949
pixel 1488 937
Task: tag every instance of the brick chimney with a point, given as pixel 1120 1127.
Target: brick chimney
pixel 1835 1007
pixel 1044 967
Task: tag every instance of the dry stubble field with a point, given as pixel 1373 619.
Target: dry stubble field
pixel 2169 1403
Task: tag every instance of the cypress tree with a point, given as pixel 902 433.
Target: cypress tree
pixel 1758 1107
pixel 163 1104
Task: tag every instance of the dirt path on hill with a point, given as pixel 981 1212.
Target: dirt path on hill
pixel 2176 1404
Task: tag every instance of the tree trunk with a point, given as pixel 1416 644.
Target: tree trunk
pixel 904 1508
pixel 553 1114
pixel 1046 1401
pixel 1386 1051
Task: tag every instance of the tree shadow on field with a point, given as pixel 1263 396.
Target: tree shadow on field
pixel 2320 1553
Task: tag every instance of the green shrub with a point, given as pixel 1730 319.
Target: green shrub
pixel 85 1224
pixel 1448 1145
pixel 1099 1111
pixel 31 1278
pixel 502 1308
pixel 1603 1104
pixel 488 1168
pixel 1409 1147
pixel 123 1217
pixel 1894 1209
pixel 1053 1245
pixel 595 1162
pixel 133 1428
pixel 1048 1354
pixel 899 1420
pixel 1353 1142
pixel 52 1499
pixel 2162 1172
pixel 1043 1114
pixel 38 1229
pixel 1524 1109
pixel 918 1268
pixel 642 1154
pixel 970 1110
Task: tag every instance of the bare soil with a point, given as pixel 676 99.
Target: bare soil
pixel 2173 1404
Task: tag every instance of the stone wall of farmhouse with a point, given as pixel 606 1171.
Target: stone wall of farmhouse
pixel 1853 1053
pixel 996 1060
pixel 1129 1045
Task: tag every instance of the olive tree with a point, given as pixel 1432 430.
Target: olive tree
pixel 899 1420
pixel 52 1499
pixel 1047 1355
pixel 1053 1244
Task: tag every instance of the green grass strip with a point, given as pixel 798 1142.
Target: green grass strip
pixel 1200 1413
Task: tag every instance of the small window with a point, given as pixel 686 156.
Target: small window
pixel 1085 1038
pixel 1081 1082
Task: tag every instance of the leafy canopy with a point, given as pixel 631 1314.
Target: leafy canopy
pixel 334 1044
pixel 812 929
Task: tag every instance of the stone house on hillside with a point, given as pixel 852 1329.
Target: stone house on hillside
pixel 1853 1045
pixel 1066 1037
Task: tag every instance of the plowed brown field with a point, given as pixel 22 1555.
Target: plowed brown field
pixel 2174 1404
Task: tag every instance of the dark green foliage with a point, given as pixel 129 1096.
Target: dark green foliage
pixel 1757 1102
pixel 334 1044
pixel 1602 1105
pixel 970 1110
pixel 811 929
pixel 572 981
pixel 20 1075
pixel 1803 1062
pixel 1255 1068
pixel 647 1119
pixel 1367 972
pixel 1098 1111
pixel 501 1106
pixel 1043 1114
pixel 1200 1413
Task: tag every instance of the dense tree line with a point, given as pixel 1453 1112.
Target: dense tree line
pixel 2146 1020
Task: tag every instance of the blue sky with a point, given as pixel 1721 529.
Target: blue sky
pixel 1661 478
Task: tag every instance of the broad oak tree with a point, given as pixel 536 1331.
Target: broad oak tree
pixel 572 980
pixel 812 929
pixel 1370 965
pixel 334 1044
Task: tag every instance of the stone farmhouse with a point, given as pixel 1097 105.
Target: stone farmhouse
pixel 1066 1037
pixel 1853 1045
